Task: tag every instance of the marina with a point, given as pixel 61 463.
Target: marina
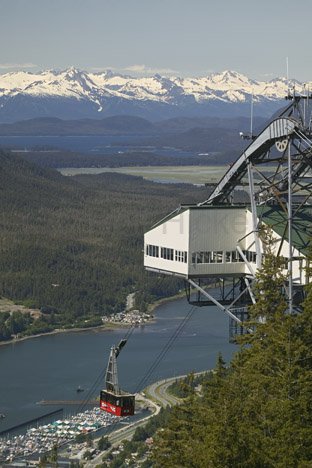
pixel 33 421
pixel 42 439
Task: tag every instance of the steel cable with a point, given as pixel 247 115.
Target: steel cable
pixel 165 349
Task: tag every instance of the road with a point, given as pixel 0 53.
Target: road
pixel 158 392
pixel 130 301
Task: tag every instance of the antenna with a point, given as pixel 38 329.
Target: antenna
pixel 308 109
pixel 287 73
pixel 304 104
pixel 251 115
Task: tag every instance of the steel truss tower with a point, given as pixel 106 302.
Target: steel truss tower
pixel 276 170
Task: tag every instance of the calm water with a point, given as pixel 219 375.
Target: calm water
pixel 52 367
pixel 107 144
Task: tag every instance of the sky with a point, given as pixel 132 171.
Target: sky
pixel 169 37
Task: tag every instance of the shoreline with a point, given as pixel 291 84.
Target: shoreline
pixel 106 327
pixel 154 305
pixel 57 331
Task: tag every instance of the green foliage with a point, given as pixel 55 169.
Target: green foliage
pixel 147 464
pixel 104 443
pixel 269 287
pixel 43 460
pixel 183 388
pixel 14 324
pixel 53 455
pixel 137 444
pixel 39 326
pixel 87 455
pixel 89 440
pixel 80 438
pixel 141 434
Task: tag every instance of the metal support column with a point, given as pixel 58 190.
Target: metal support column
pixel 290 216
pixel 254 216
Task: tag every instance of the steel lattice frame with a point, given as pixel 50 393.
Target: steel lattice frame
pixel 111 378
pixel 277 168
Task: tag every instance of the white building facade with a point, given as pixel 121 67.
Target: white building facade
pixel 215 241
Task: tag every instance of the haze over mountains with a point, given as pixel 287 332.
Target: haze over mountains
pixel 121 125
pixel 75 94
pixel 128 140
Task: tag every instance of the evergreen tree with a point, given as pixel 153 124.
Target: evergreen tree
pixel 103 443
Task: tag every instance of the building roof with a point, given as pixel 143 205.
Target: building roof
pixel 186 207
pixel 277 218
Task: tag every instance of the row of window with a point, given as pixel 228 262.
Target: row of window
pixel 222 257
pixel 166 253
pixel 200 257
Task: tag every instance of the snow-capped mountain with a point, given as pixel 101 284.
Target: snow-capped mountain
pixel 73 93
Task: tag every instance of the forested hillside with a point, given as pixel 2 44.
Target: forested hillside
pixel 73 246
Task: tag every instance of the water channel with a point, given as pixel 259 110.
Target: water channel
pixel 53 367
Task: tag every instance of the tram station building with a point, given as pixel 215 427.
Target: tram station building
pixel 211 241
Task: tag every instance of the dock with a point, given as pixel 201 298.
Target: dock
pixel 67 402
pixel 31 421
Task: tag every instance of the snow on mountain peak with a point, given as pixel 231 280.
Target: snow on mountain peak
pixel 72 73
pixel 97 88
pixel 107 73
pixel 229 80
pixel 228 75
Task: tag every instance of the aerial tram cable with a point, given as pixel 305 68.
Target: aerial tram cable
pixel 91 392
pixel 165 349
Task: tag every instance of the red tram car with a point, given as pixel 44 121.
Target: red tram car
pixel 119 405
pixel 113 400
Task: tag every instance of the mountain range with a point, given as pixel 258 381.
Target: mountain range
pixel 76 94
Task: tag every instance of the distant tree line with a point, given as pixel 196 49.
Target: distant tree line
pixel 62 159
